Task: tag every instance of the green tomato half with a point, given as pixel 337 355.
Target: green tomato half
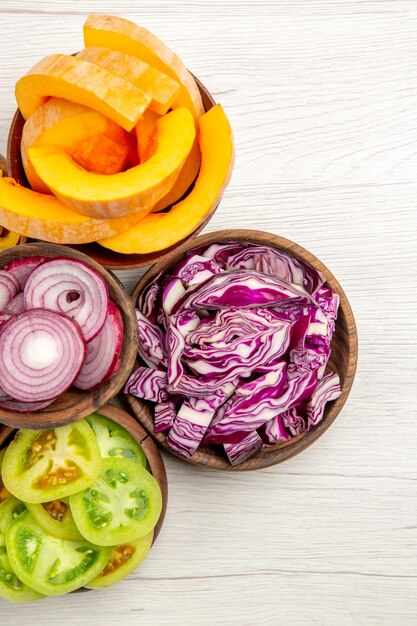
pixel 45 465
pixel 123 561
pixel 114 440
pixel 56 519
pixel 11 587
pixel 50 565
pixel 3 491
pixel 123 504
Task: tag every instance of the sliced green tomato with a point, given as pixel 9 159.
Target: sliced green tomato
pixel 115 441
pixel 45 465
pixel 49 565
pixel 3 491
pixel 123 505
pixel 11 587
pixel 56 519
pixel 124 559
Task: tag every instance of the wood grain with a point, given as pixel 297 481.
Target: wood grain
pixel 322 99
pixel 75 404
pixel 343 360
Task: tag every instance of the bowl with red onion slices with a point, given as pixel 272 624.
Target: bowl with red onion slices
pixel 68 336
pixel 247 350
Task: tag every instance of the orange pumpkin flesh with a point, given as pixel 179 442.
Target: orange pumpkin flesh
pixel 134 190
pixel 79 81
pixel 107 31
pixel 160 231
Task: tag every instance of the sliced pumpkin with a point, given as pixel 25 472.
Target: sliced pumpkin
pixel 146 134
pixel 41 216
pixel 107 31
pixel 160 231
pixel 64 76
pixel 101 155
pixel 161 88
pixel 47 115
pixel 135 190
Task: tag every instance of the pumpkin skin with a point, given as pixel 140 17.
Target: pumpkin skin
pixel 70 133
pixel 135 190
pixel 79 81
pixel 107 31
pixel 160 231
pixel 42 216
pixel 161 88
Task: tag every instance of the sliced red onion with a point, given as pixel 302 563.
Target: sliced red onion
pixel 71 287
pixel 4 317
pixel 9 287
pixel 22 268
pixel 103 352
pixel 148 384
pixel 41 353
pixel 4 396
pixel 24 407
pixel 16 305
pixel 165 414
pixel 242 451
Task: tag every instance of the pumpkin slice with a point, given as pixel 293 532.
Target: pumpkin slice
pixel 184 181
pixel 64 76
pixel 44 217
pixel 70 132
pixel 135 190
pixel 146 135
pixel 161 88
pixel 47 115
pixel 107 31
pixel 101 155
pixel 160 231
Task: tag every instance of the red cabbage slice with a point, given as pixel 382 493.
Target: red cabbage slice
pixel 151 345
pixel 164 416
pixel 196 269
pixel 178 328
pixel 245 449
pixel 172 293
pixel 148 303
pixel 190 426
pixel 327 390
pixel 293 421
pixel 148 384
pixel 274 431
pixel 277 263
pixel 254 403
pixel 242 289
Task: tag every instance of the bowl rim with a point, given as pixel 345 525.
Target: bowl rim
pixel 280 452
pixel 94 250
pixel 151 450
pixel 84 402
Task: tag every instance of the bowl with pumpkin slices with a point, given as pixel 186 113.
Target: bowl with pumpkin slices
pixel 117 150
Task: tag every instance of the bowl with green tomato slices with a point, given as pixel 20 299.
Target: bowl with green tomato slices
pixel 80 505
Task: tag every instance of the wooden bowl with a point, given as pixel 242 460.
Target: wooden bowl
pixel 76 404
pixel 343 359
pixel 156 464
pixel 107 258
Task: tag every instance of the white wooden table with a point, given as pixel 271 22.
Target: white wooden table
pixel 322 96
